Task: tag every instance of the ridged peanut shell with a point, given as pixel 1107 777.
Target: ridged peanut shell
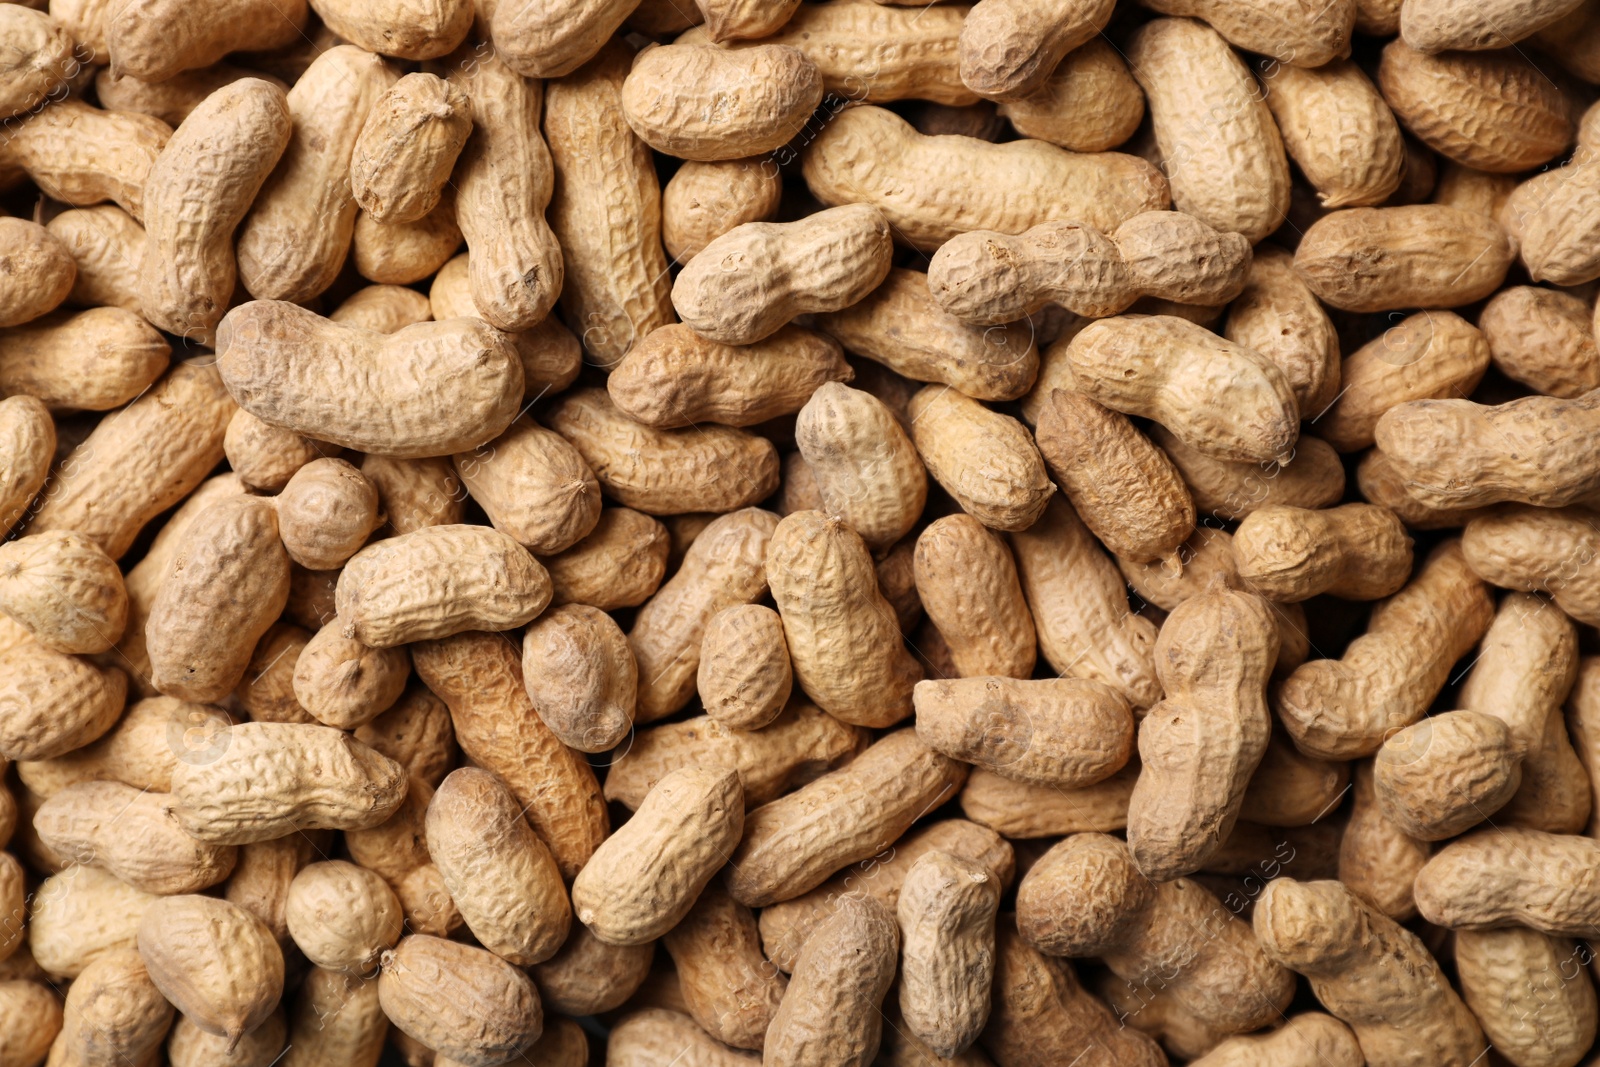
pixel 113 1012
pixel 1089 104
pixel 1543 338
pixel 265 456
pixel 80 914
pixel 987 461
pixel 1425 255
pixel 130 833
pixel 946 913
pixel 587 976
pixel 464 1002
pixel 155 39
pixel 91 360
pixel 65 590
pixel 831 1013
pixel 39 270
pixel 344 683
pixel 1277 315
pixel 1301 33
pixel 325 513
pixel 1446 774
pixel 1009 48
pixel 342 916
pixel 865 466
pixel 1340 131
pixel 28 445
pixel 30 1018
pixel 967 582
pixel 745 677
pixel 214 961
pixel 408 146
pixel 533 485
pixel 704 200
pixel 706 103
pixel 619 564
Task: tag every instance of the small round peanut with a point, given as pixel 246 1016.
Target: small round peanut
pixel 745 677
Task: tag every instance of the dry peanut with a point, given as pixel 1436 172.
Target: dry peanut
pixel 52 703
pixel 587 976
pixel 869 155
pixel 1158 1014
pixel 1432 26
pixel 1493 111
pixel 295 369
pixel 794 843
pixel 156 39
pixel 128 832
pixel 704 200
pixel 1539 550
pixel 416 493
pixel 40 270
pixel 427 904
pixel 114 1013
pixel 226 586
pixel 1371 973
pixel 220 157
pixel 480 677
pixel 1086 897
pixel 1355 552
pixel 1277 315
pixel 534 486
pixel 341 682
pixel 80 914
pixel 416 733
pixel 700 102
pixel 39 63
pixel 658 1035
pixel 215 962
pixel 336 1019
pixel 866 469
pixel 81 155
pixel 619 564
pixel 1555 791
pixel 801 744
pixel 408 30
pixel 266 693
pixel 967 582
pixel 1291 789
pixel 1378 861
pixel 400 253
pixel 1340 709
pixel 551 356
pixel 1381 483
pixel 1041 1014
pixel 1551 217
pixel 30 1019
pixel 266 456
pixel 987 461
pixel 1065 732
pixel 844 639
pixel 1233 489
pixel 728 986
pixel 831 1012
pixel 383 308
pixel 1445 774
pixel 190 1046
pixel 170 100
pixel 1218 397
pixel 1089 104
pixel 1542 338
pixel 1425 255
pixel 946 914
pixel 1309 1039
pixel 66 591
pixel 1302 34
pixel 1339 130
pixel 581 676
pixel 408 146
pixel 265 871
pixel 1457 454
pixel 141 750
pixel 1429 356
pixel 1512 876
pixel 1009 50
pixel 270 779
pixel 464 1002
pixel 342 916
pixel 93 360
pixel 1223 154
pixel 399 845
pixel 28 444
pixel 325 513
pixel 744 678
pixel 1530 993
pixel 1202 742
pixel 1473 190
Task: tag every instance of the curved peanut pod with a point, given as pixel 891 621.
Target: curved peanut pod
pixel 1010 47
pixel 42 269
pixel 1299 34
pixel 1546 550
pixel 467 1003
pixel 1354 552
pixel 412 30
pixel 113 1012
pixel 872 156
pixel 703 201
pixel 427 390
pixel 1512 877
pixel 946 912
pixel 40 62
pixel 52 703
pixel 987 461
pixel 657 1035
pixel 65 590
pixel 1511 976
pixel 81 155
pixel 27 448
pixel 93 360
pixel 1218 397
pixel 156 39
pixel 866 469
pixel 838 987
pixel 214 961
pixel 1363 164
pixel 130 833
pixel 745 677
pixel 728 986
pixel 967 582
pixel 1446 774
pixel 408 146
pixel 1232 489
pixel 534 486
pixel 1277 315
pixel 550 40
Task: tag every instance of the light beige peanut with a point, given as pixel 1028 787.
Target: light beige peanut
pixel 753 279
pixel 503 183
pixel 1355 552
pixel 831 1012
pixel 985 460
pixel 1009 50
pixel 344 683
pixel 172 99
pixel 93 360
pixel 619 564
pixel 1378 861
pixel 797 747
pixel 141 750
pixel 1430 26
pixel 1086 897
pixel 1542 338
pixel 866 469
pixel 410 588
pixel 40 270
pixel 1233 489
pixel 221 157
pixel 1430 355
pixel 729 987
pixel 1381 483
pixel 464 1002
pixel 1387 678
pixel 656 1035
pixel 1065 732
pixel 41 60
pixel 227 585
pixel 606 211
pixel 794 843
pixel 988 278
pixel 1200 745
pixel 426 903
pixel 416 733
pixel 28 437
pixel 550 355
pixel 587 976
pixel 1445 774
pixel 266 692
pixel 270 779
pixel 1555 794
pixel 1229 172
pixel 31 1014
pixel 1425 255
pixel 869 155
pixel 705 199
pixel 549 42
pixel 214 961
pixel 1307 1039
pixel 1291 789
pixel 1494 111
pixel 113 1013
pixel 398 845
pixel 66 591
pixel 292 368
pixel 534 486
pixel 325 513
pixel 400 253
pixel 1512 876
pixel 500 876
pixel 52 703
pixel 1339 130
pixel 675 378
pixel 408 146
pixel 1551 219
pixel 826 589
pixel 967 582
pixel 409 31
pixel 1089 104
pixel 1277 315
pixel 1369 972
pixel 581 676
pixel 128 832
pixel 946 914
pixel 81 155
pixel 1532 549
pixel 79 914
pixel 190 1046
pixel 416 493
pixel 343 917
pixel 1457 454
pixel 1530 993
pixel 335 1018
pixel 156 39
pixel 724 567
pixel 383 308
pixel 266 456
pixel 666 472
pixel 1302 34
pixel 1473 190
pixel 1080 607
pixel 744 678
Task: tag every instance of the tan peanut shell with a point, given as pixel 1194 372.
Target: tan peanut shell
pixel 800 745
pixel 1340 709
pixel 728 985
pixel 464 1002
pixel 499 874
pixel 398 845
pixel 266 692
pixel 1089 104
pixel 1277 315
pixel 342 916
pixel 113 1011
pixel 1430 26
pixel 831 1012
pixel 325 512
pixel 141 750
pixel 156 39
pixel 265 456
pixel 1291 789
pixel 1446 774
pixel 1431 355
pixel 270 779
pixel 985 460
pixel 794 843
pixel 1308 1039
pixel 586 976
pixel 129 833
pixel 1383 258
pixel 700 102
pixel 30 1013
pixel 606 211
pixel 1555 795
pixel 967 582
pixel 480 677
pixel 619 564
pixel 665 472
pixel 656 1035
pixel 869 155
pixel 1065 732
pixel 383 308
pixel 409 31
pixel 533 485
pixel 190 1046
pixel 744 679
pixel 215 961
pixel 407 147
pixel 81 155
pixel 427 904
pixel 1009 49
pixel 1510 977
pixel 1304 33
pixel 1494 111
pixel 1339 130
pixel 79 914
pixel 1216 396
pixel 946 914
pixel 867 471
pixel 173 99
pixel 550 354
pixel 40 61
pixel 704 200
pixel 1514 548
pixel 53 703
pixel 1354 552
pixel 1378 861
pixel 1525 667
pixel 295 369
pixel 335 1017
pixel 416 493
pixel 1472 883
pixel 400 253
pixel 39 270
pixel 66 591
pixel 342 682
pixel 581 676
pixel 93 360
pixel 416 733
pixel 844 640
pixel 1232 489
pixel 28 443
pixel 645 877
pixel 1344 946
pixel 1542 338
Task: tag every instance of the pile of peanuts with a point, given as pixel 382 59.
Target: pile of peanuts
pixel 1039 533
